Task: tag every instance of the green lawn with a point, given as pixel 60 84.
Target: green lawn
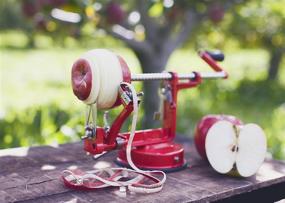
pixel 38 107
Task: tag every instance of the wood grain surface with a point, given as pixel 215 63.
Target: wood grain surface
pixel 33 175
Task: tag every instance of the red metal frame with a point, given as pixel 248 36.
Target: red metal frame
pixel 152 148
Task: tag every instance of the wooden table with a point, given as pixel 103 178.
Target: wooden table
pixel 33 175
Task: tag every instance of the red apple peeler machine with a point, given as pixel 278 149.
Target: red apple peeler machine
pixel 151 148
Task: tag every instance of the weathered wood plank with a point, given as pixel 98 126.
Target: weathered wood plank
pixel 34 176
pixel 113 195
pixel 5 197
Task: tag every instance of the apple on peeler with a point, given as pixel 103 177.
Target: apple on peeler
pixel 229 146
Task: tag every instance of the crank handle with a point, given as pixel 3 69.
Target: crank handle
pixel 211 59
pixel 216 55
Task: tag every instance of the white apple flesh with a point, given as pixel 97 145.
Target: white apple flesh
pixel 235 149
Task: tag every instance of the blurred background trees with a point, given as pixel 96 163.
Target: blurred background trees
pixel 262 24
pixel 153 30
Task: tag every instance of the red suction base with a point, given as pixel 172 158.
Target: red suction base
pixel 165 156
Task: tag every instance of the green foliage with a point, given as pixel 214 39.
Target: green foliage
pixel 45 124
pixel 248 23
pixel 9 15
pixel 276 131
pixel 40 17
pixel 260 23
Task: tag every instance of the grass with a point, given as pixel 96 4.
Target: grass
pixel 37 105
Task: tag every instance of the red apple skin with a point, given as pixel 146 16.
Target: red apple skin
pixel 216 13
pixel 203 127
pixel 29 9
pixel 81 79
pixel 115 13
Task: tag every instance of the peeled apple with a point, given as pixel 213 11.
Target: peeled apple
pixel 96 77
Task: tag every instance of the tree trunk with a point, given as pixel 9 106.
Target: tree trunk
pixel 275 60
pixel 151 63
pixel 31 40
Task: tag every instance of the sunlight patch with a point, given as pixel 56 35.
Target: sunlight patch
pixel 47 167
pixel 101 164
pixel 20 152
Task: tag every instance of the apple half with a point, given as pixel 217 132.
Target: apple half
pixel 235 149
pixel 203 127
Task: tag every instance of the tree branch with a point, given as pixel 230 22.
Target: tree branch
pixel 149 24
pixel 191 19
pixel 127 36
